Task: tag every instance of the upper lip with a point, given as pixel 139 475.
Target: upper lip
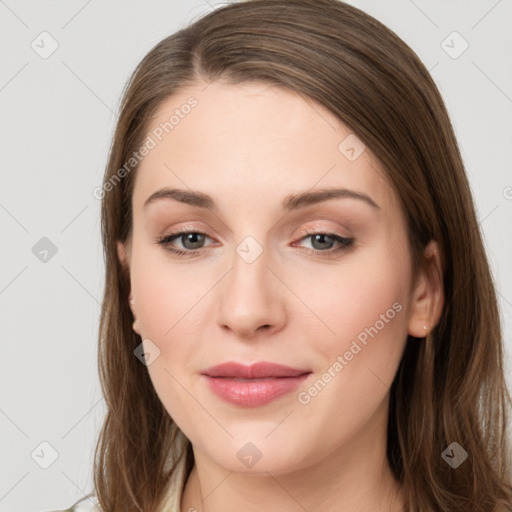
pixel 255 371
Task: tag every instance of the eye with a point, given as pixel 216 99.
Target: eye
pixel 192 243
pixel 326 242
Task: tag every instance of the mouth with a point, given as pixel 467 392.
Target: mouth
pixel 255 385
pixel 261 370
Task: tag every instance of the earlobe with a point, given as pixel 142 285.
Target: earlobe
pixel 428 295
pixel 135 327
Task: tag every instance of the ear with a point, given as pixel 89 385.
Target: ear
pixel 123 256
pixel 428 295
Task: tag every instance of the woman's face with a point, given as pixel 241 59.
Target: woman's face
pixel 322 286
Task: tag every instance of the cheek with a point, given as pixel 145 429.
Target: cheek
pixel 174 307
pixel 363 306
pixel 360 287
pixel 167 308
pixel 166 293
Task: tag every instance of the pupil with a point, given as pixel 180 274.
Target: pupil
pixel 192 237
pixel 320 238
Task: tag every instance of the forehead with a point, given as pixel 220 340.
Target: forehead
pixel 265 141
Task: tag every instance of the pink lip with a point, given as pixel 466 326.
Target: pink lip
pixel 255 371
pixel 255 385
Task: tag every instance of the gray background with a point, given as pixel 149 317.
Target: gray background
pixel 58 115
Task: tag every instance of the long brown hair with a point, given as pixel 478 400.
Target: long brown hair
pixel 450 386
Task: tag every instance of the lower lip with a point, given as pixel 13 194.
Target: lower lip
pixel 255 392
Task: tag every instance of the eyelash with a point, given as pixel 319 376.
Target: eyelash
pixel 345 243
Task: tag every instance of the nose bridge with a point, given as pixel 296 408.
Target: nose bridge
pixel 250 294
pixel 250 267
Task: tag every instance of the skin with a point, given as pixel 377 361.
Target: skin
pixel 249 146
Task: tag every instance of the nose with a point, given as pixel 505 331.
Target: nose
pixel 251 299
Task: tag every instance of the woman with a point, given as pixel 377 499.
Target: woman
pixel 299 312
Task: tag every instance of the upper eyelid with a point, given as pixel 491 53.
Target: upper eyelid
pixel 307 230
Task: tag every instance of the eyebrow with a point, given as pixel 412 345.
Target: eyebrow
pixel 289 203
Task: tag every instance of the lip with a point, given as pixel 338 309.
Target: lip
pixel 259 370
pixel 255 385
